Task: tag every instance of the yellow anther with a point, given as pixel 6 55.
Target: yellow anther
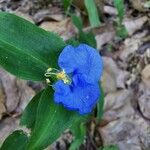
pixel 62 76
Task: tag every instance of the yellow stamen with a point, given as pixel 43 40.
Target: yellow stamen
pixel 62 76
pixel 52 72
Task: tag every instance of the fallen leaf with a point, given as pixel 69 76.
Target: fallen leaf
pixel 146 75
pixel 63 28
pixel 113 77
pixel 132 25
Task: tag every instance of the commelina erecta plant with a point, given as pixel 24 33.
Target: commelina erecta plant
pixel 73 87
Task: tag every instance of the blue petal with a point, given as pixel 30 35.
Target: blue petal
pixel 67 59
pixel 60 88
pixel 82 60
pixel 81 96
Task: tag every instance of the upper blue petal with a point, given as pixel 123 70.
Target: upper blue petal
pixel 82 60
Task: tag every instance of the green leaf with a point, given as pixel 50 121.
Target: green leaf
pixel 100 105
pixel 120 28
pixel 16 141
pixel 119 4
pixel 83 37
pixel 51 120
pixel 66 4
pixel 92 13
pixel 87 38
pixel 79 131
pixel 29 115
pixel 73 42
pixel 26 50
pixel 77 21
pixel 111 147
pixel 121 31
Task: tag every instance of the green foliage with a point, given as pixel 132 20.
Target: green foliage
pixel 66 4
pixel 28 56
pixel 92 13
pixel 15 141
pixel 111 147
pixel 87 38
pixel 29 115
pixel 121 31
pixel 77 21
pixel 120 28
pixel 73 42
pixel 119 4
pixel 83 37
pixel 47 120
pixel 51 121
pixel 26 50
pixel 100 105
pixel 79 131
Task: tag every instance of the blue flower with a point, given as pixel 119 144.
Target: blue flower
pixel 84 65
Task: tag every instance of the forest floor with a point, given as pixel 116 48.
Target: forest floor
pixel 126 76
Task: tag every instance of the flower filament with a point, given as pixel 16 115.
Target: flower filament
pixel 57 74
